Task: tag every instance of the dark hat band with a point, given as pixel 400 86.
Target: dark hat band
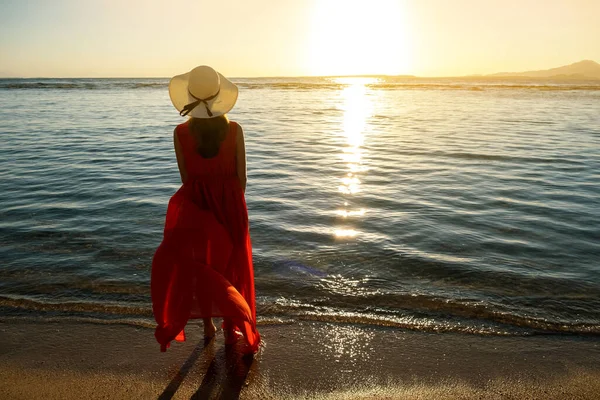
pixel 189 107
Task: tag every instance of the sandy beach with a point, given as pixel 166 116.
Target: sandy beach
pixel 51 360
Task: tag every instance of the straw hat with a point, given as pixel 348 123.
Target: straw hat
pixel 202 93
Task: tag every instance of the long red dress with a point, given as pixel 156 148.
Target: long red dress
pixel 203 267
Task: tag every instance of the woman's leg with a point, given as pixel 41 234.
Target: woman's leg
pixel 230 331
pixel 209 328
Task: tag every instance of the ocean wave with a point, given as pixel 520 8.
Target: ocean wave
pixel 141 323
pixel 480 87
pixel 20 303
pixel 292 85
pixel 146 85
pixel 418 313
pixel 95 84
pixel 49 85
pixel 299 85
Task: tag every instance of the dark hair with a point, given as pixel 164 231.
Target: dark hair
pixel 209 133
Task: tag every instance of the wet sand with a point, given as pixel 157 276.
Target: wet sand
pixel 49 360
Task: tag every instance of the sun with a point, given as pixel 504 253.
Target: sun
pixel 352 37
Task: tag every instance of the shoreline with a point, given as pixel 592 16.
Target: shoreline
pixel 301 360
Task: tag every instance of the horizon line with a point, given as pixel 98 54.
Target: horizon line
pixel 484 76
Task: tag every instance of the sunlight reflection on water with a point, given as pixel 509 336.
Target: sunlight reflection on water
pixel 346 342
pixel 357 110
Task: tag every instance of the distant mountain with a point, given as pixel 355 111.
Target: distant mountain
pixel 586 69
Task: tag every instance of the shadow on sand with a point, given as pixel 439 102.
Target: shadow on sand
pixel 224 378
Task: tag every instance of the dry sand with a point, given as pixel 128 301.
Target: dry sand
pixel 306 360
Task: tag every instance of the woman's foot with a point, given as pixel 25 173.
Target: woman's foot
pixel 209 329
pixel 247 350
pixel 232 335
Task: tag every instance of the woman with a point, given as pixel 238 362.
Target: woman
pixel 203 267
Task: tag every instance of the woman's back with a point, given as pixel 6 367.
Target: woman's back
pixel 223 165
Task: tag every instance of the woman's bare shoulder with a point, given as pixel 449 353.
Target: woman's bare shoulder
pixel 239 131
pixel 179 129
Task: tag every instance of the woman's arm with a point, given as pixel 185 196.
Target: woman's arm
pixel 240 156
pixel 179 155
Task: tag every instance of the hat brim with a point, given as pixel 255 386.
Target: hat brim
pixel 222 104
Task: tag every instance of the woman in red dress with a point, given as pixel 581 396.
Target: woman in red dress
pixel 203 267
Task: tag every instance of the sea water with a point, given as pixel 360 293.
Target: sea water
pixel 442 205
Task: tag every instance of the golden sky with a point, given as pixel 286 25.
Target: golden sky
pixel 245 38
